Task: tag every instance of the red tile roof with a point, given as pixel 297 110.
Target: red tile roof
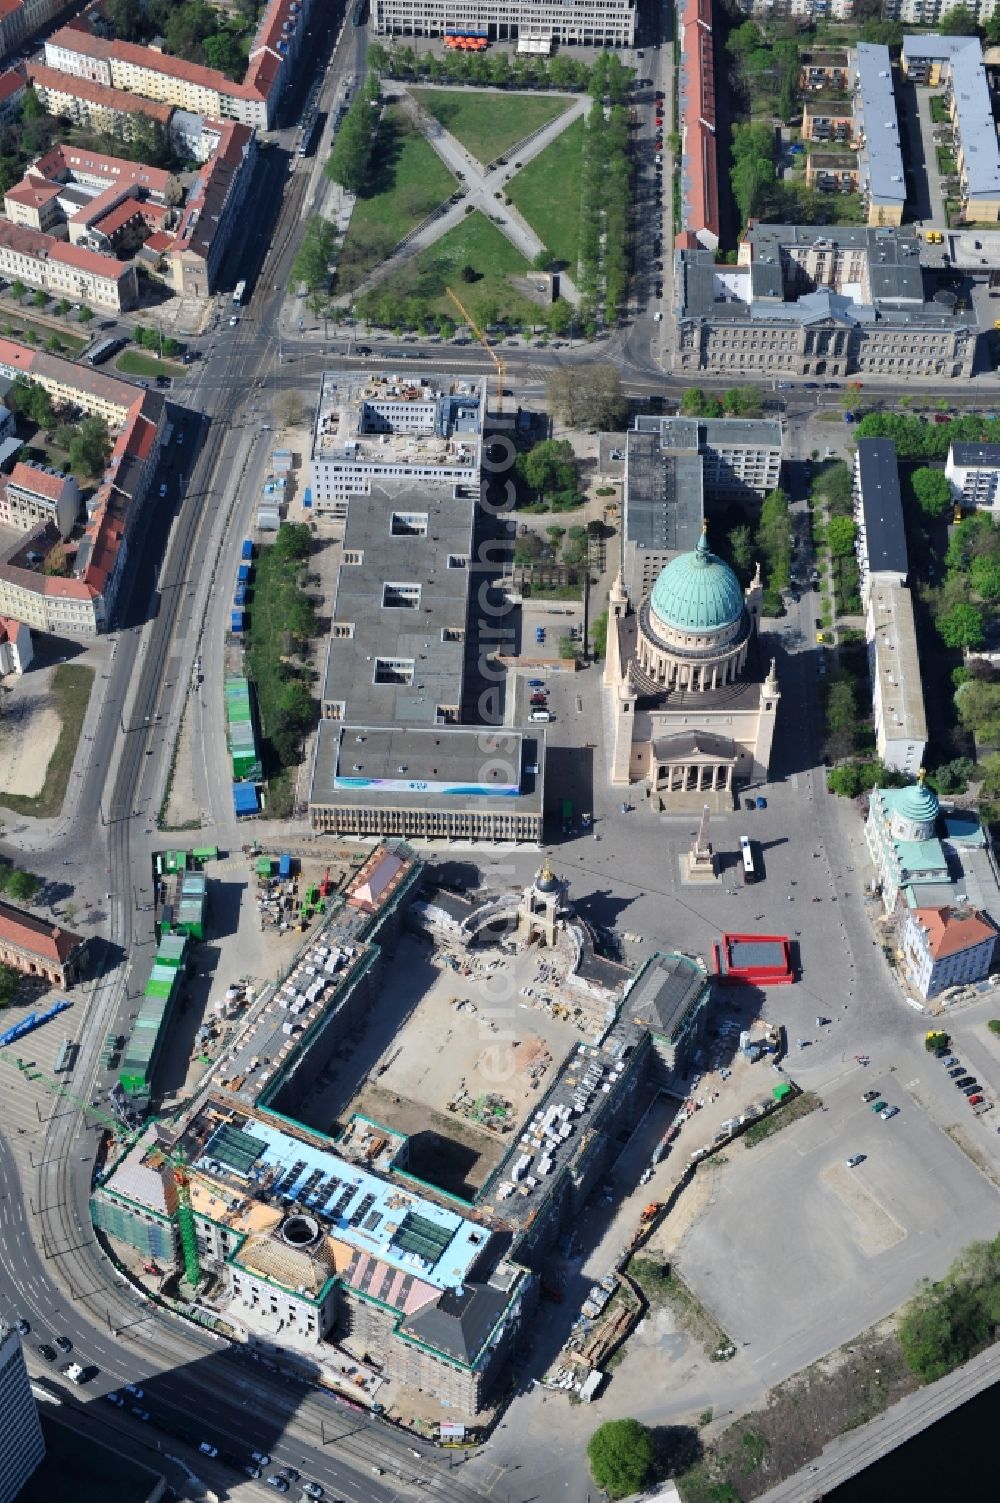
pixel 26 932
pixel 12 81
pixel 34 195
pixel 30 477
pixel 97 93
pixel 699 168
pixel 85 44
pixel 65 163
pixel 949 932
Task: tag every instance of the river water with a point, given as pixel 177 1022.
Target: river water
pixel 955 1454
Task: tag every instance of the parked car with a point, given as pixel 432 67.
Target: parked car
pixel 970 1090
pixel 975 1099
pixel 116 1399
pixel 278 1483
pixel 207 1449
pixel 260 1458
pixel 23 1327
pixel 965 1080
pixel 957 1071
pixel 137 1393
pixel 870 1096
pixel 855 1159
pixel 890 1111
pixel 312 1489
pixel 879 1105
pixel 48 1352
pixel 949 1059
pixel 536 683
pixel 64 1344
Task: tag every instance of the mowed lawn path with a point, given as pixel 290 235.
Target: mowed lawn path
pixel 547 193
pixel 407 181
pixel 488 124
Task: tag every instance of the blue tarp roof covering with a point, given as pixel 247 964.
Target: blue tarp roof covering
pixel 245 800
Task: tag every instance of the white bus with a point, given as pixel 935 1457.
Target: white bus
pixel 746 856
pixel 239 293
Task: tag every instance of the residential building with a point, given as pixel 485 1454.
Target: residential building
pixel 590 23
pixel 64 270
pixel 828 117
pixel 699 170
pixel 674 467
pixel 930 12
pixel 13 86
pixel 876 130
pixel 898 712
pixel 16 651
pixel 35 947
pixel 945 947
pixel 373 428
pixel 825 68
pixel 20 19
pixel 973 472
pixel 211 211
pixel 833 171
pixel 92 104
pixel 957 64
pixel 878 513
pixel 805 301
pixel 32 493
pixel 81 601
pixel 22 1447
pixel 172 81
pixel 798 10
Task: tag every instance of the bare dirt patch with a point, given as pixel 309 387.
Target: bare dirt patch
pixel 875 1231
pixel 846 1389
pixel 442 1149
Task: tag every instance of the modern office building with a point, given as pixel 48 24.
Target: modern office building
pixel 957 64
pixel 806 301
pixel 876 130
pixel 973 472
pixel 373 429
pixel 945 947
pixel 674 468
pixel 22 1447
pixel 590 23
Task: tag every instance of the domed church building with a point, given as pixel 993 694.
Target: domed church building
pixel 692 715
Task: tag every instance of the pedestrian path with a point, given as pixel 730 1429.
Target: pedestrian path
pixel 484 191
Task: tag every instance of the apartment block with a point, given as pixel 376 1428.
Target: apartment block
pixel 33 494
pixel 16 650
pixel 91 104
pixel 590 23
pixel 81 602
pixel 211 212
pixel 898 712
pixel 696 113
pixel 20 19
pixel 957 64
pixel 64 270
pixel 930 12
pixel 810 301
pixel 876 131
pixel 973 472
pixel 798 10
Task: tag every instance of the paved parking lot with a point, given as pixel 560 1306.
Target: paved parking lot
pixel 796 1250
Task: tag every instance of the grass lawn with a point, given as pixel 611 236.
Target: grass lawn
pixel 139 363
pixel 14 325
pixel 408 180
pixel 71 686
pixel 477 243
pixel 487 124
pixel 276 589
pixel 547 192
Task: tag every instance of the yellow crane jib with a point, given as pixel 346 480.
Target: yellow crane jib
pixel 498 360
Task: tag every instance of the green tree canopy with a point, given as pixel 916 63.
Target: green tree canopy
pixel 589 396
pixel 932 491
pixel 841 533
pixel 312 259
pixel 21 885
pixel 621 1456
pixel 91 448
pixel 354 142
pixel 223 51
pixel 962 626
pixel 697 403
pixel 984 575
pixel 294 541
pixel 959 22
pixel 549 468
pixel 10 980
pixel 979 709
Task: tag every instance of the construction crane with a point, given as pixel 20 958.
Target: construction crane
pixel 184 1216
pixel 498 360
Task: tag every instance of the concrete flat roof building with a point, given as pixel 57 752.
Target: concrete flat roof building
pixel 879 158
pixel 22 1447
pixel 973 472
pixel 588 23
pixel 673 467
pixel 897 692
pixel 372 427
pixel 449 783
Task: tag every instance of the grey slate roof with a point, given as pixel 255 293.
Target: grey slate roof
pixel 664 993
pixel 882 161
pixel 983 456
pixel 460 1322
pixel 881 506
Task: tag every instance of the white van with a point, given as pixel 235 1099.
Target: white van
pixel 541 715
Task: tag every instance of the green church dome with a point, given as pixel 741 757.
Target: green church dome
pixel 918 804
pixel 697 592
